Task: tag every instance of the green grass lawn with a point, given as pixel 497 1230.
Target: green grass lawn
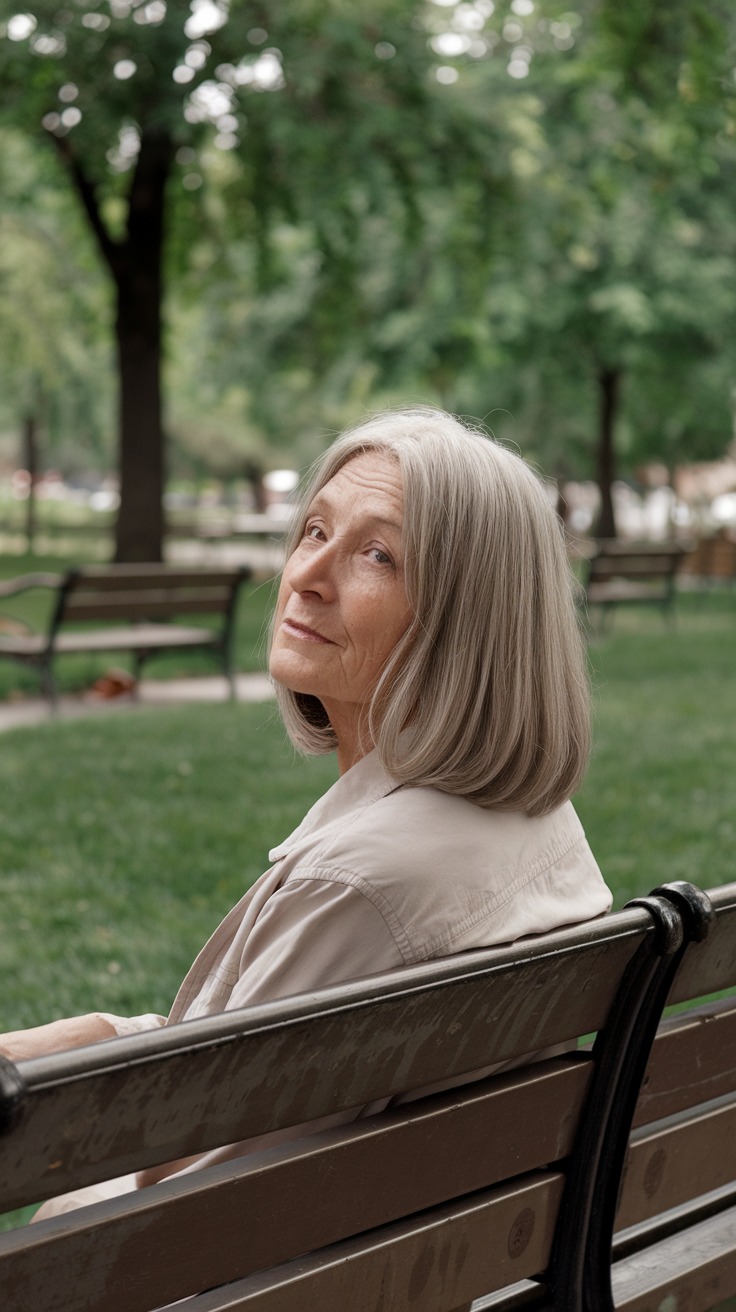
pixel 123 842
pixel 659 801
pixel 125 838
pixel 75 673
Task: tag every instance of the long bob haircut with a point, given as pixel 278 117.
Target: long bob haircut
pixel 486 694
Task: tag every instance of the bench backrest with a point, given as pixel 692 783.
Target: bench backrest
pixel 635 560
pixel 712 558
pixel 168 1093
pixel 145 592
pixel 457 1183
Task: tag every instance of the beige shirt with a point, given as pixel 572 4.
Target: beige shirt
pixel 378 876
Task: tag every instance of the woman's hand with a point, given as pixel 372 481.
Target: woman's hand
pixel 55 1037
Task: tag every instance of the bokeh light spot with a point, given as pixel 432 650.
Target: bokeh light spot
pixel 124 69
pixel 20 26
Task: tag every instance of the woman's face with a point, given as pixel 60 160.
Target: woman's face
pixel 342 603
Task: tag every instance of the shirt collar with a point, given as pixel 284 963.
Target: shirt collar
pixel 364 783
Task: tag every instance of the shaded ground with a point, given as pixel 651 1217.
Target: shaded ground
pixel 148 693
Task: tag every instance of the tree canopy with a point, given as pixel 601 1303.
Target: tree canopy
pixel 340 114
pixel 517 210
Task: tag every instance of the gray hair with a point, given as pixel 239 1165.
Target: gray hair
pixel 489 680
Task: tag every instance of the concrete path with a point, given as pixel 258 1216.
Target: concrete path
pixel 151 692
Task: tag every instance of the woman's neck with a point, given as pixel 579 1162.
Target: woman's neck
pixel 350 724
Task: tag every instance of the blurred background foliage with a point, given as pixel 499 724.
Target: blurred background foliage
pixel 521 212
pixel 55 357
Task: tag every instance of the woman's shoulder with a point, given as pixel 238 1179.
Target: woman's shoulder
pixel 448 874
pixel 445 824
pixel 420 825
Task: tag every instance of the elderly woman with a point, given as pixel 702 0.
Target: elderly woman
pixel 425 632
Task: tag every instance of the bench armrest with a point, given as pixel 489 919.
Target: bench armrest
pixel 25 581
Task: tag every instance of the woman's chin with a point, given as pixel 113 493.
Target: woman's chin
pixel 291 674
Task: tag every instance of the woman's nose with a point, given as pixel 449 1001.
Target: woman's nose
pixel 313 570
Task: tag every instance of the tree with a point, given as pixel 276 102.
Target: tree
pixel 339 105
pixel 55 366
pixel 315 347
pixel 591 299
pixel 612 310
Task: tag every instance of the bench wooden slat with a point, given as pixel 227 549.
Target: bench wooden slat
pixel 435 1262
pixel 671 1165
pixel 691 1271
pixel 25 644
pixel 147 605
pixel 124 596
pixel 138 637
pixel 342 1048
pixel 621 566
pixel 528 1295
pixel 642 547
pixel 115 578
pixel 405 1160
pixel 619 590
pixel 693 1060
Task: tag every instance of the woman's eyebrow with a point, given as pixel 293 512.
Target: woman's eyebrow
pixel 322 505
pixel 388 523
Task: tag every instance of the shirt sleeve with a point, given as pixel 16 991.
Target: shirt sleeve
pixel 123 1025
pixel 312 933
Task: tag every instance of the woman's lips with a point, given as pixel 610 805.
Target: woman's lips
pixel 303 631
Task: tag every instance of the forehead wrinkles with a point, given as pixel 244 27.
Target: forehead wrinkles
pixel 380 476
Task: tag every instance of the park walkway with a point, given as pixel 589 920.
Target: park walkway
pixel 151 692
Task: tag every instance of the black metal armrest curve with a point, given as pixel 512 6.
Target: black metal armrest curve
pixel 12 1093
pixel 579 1276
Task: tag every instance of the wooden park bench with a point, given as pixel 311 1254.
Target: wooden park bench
pixel 624 572
pixel 504 1190
pixel 712 558
pixel 146 597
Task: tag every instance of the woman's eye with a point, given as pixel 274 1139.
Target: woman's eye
pixel 314 531
pixel 379 556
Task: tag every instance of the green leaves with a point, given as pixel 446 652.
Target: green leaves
pixel 345 226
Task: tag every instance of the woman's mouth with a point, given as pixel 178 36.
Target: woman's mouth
pixel 297 630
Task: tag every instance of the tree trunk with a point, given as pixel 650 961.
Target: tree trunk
pixel 138 276
pixel 608 381
pixel 30 458
pixel 253 472
pixel 136 266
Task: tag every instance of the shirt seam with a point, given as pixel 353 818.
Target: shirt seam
pixel 341 818
pixel 334 875
pixel 410 954
pixel 501 902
